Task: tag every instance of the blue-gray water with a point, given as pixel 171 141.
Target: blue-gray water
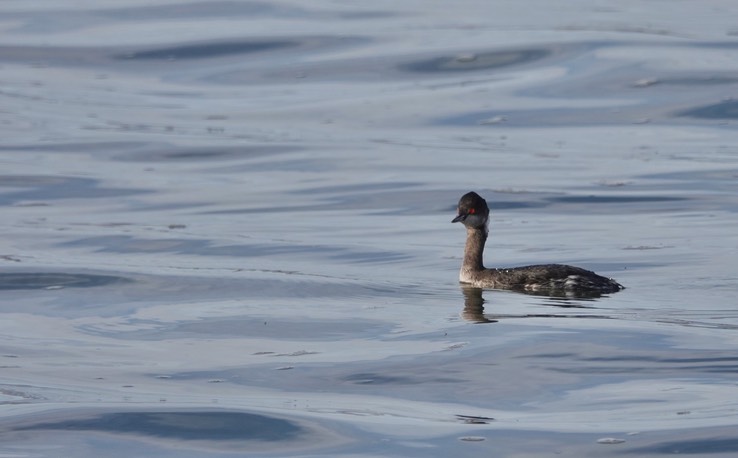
pixel 226 228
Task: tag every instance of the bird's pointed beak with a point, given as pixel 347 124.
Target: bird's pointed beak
pixel 459 218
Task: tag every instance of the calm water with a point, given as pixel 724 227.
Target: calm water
pixel 226 228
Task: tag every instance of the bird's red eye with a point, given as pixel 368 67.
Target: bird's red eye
pixel 472 211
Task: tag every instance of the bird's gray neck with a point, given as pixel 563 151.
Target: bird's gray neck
pixel 474 249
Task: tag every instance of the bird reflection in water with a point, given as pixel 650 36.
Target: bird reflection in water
pixel 474 307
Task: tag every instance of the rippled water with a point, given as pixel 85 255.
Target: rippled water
pixel 227 228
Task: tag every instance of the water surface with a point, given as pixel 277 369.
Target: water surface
pixel 227 228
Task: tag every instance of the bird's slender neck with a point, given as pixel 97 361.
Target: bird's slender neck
pixel 474 249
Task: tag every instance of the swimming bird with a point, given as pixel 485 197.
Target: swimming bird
pixel 544 279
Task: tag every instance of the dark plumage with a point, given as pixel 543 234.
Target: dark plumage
pixel 549 279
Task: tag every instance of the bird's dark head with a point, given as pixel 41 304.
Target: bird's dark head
pixel 472 211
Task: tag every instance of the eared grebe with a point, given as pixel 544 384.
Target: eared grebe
pixel 547 279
